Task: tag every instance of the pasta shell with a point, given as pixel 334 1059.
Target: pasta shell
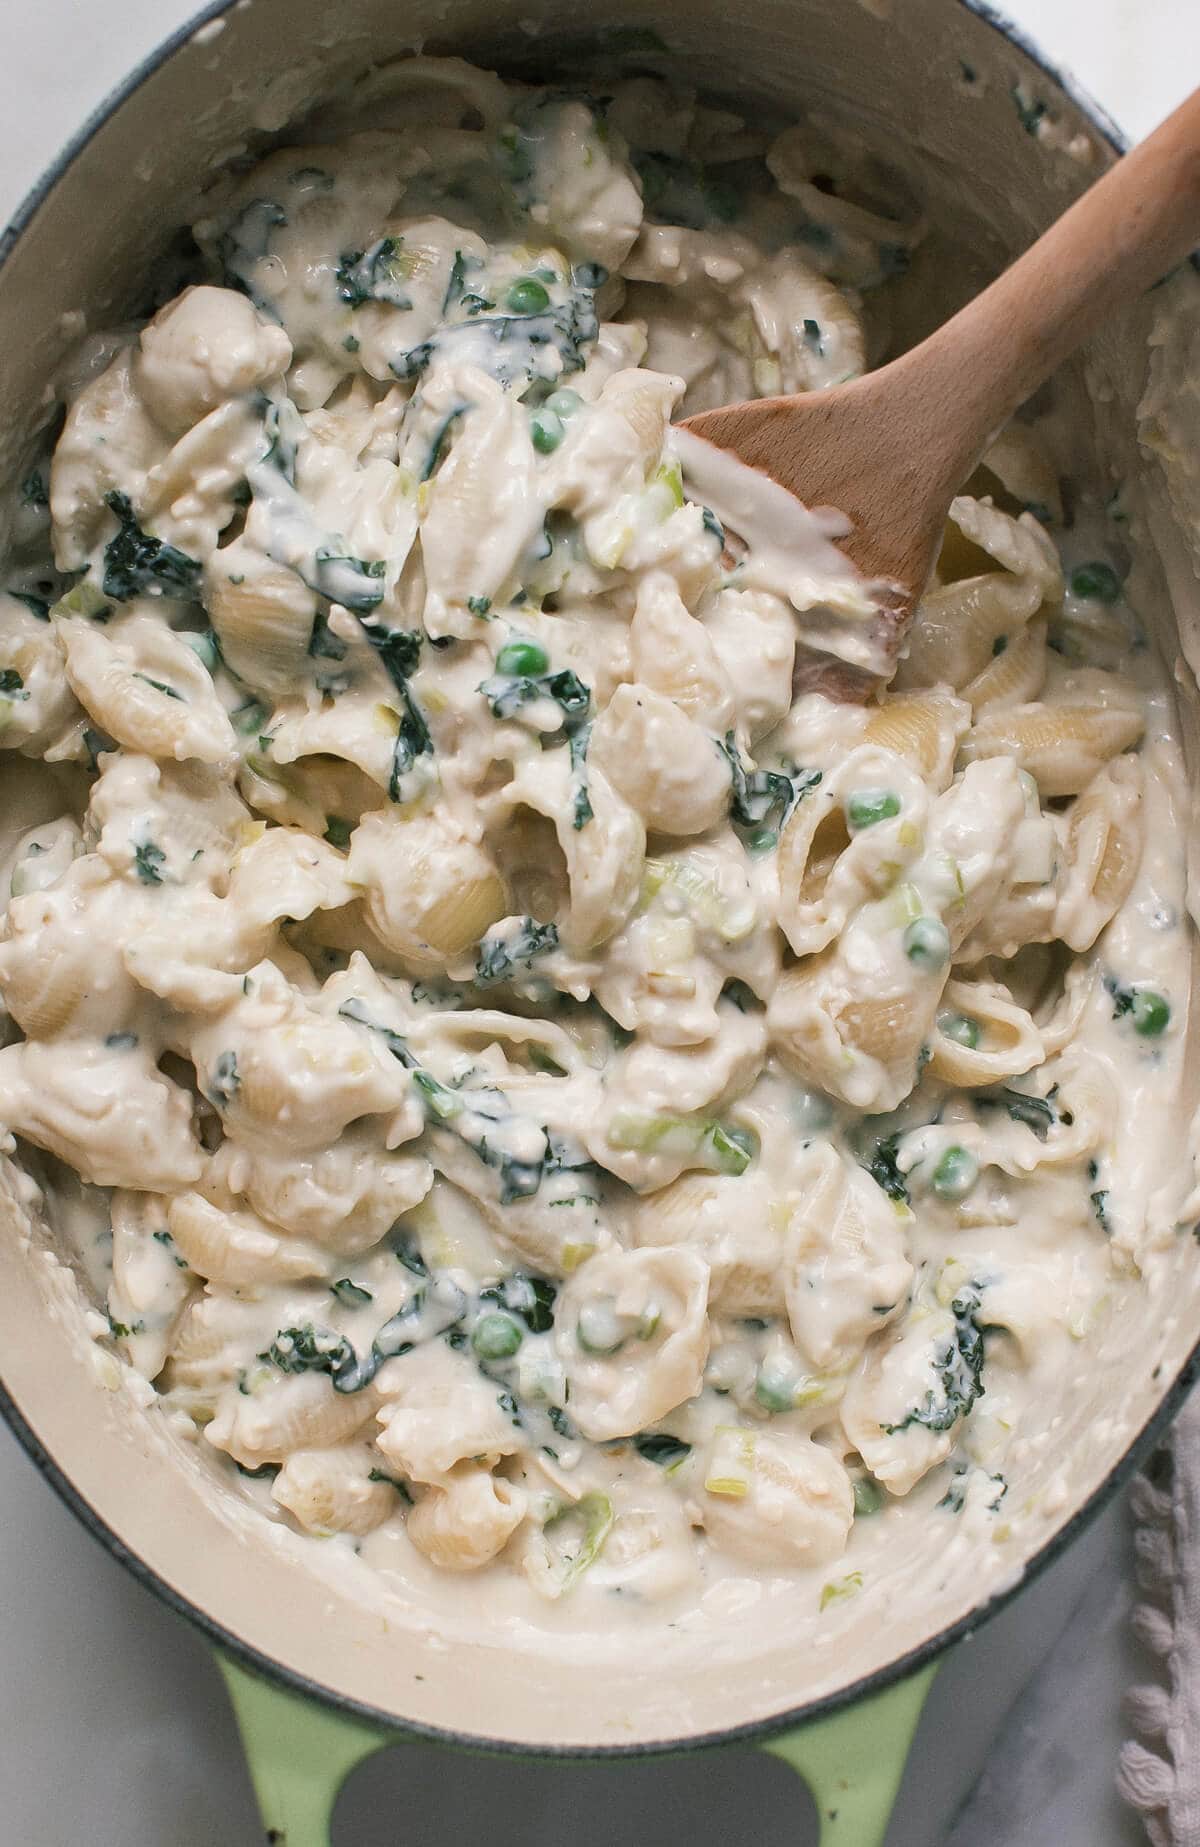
pixel 331 1491
pixel 795 1506
pixel 924 728
pixel 615 1393
pixel 236 1248
pixel 735 1227
pixel 1017 463
pixel 1009 1042
pixel 1062 746
pixel 660 761
pixel 1103 852
pixel 429 891
pixel 1014 676
pixel 279 1417
pixel 673 653
pixel 462 1526
pixel 263 615
pixel 146 688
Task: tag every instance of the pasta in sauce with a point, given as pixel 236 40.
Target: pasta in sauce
pixel 555 1097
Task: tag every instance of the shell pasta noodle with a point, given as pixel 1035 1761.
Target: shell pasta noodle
pixel 535 1091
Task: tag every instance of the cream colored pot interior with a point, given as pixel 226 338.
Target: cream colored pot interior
pixel 932 87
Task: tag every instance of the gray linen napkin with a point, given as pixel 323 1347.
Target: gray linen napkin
pixel 1160 1769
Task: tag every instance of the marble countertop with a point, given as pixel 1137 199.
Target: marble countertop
pixel 113 1723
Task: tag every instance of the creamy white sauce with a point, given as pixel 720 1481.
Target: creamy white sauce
pixel 547 1102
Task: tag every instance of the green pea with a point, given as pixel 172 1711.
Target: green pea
pixel 1097 581
pixel 598 1329
pixel 526 658
pixel 527 296
pixel 564 403
pixel 774 1388
pixel 496 1336
pixel 868 1495
pixel 870 806
pixel 961 1028
pixel 926 943
pixel 1151 1012
pixel 546 430
pixel 955 1174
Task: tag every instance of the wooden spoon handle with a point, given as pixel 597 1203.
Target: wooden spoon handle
pixel 1125 233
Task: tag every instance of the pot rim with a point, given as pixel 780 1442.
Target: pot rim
pixel 266 1666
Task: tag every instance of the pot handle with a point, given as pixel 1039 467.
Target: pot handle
pixel 300 1753
pixel 853 1760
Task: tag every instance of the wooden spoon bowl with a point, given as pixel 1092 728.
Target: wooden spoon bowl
pixel 891 449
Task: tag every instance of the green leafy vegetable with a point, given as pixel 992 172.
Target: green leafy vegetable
pixel 530 1297
pixel 136 564
pixel 350 1294
pixel 148 861
pixel 224 1083
pixel 759 796
pixel 501 955
pixel 958 1371
pixel 882 1167
pixel 660 1447
pixel 1036 1113
pixel 244 244
pixel 375 274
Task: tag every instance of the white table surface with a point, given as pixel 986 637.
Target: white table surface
pixel 113 1725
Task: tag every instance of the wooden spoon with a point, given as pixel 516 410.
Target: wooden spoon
pixel 891 449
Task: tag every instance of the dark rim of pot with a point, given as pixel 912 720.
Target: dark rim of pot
pixel 264 1665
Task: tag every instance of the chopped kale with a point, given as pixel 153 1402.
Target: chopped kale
pixel 393 1481
pixel 304 1349
pixel 160 686
pixel 506 693
pixel 350 1294
pixel 408 1252
pixel 122 1042
pixel 224 1083
pixel 530 1297
pixel 148 861
pixel 11 684
pixel 761 796
pixel 660 1447
pixel 479 605
pixel 958 1371
pixel 323 644
pixel 441 438
pixel 501 956
pixel 1037 1113
pixel 355 583
pixel 400 650
pixel 683 192
pixel 375 274
pixel 283 429
pixel 246 241
pixel 881 1165
pixel 33 490
pixel 136 564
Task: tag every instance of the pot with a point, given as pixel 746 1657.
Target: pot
pixel 317 1678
